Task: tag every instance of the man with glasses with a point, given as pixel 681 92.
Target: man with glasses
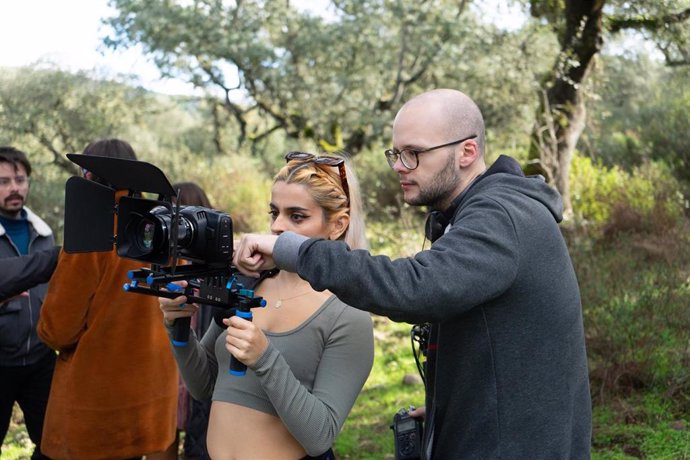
pixel 506 368
pixel 26 364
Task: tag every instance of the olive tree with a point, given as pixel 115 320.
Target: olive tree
pixel 582 26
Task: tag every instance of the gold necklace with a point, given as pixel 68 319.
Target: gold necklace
pixel 279 303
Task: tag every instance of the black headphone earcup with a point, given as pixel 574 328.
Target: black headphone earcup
pixel 436 223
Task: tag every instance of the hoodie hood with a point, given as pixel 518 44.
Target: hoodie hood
pixel 506 172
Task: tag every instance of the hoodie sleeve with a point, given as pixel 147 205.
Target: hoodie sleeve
pixel 475 261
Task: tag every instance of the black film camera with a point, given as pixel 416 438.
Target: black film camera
pixel 408 433
pixel 157 232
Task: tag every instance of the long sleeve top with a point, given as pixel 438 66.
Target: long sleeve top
pixel 310 376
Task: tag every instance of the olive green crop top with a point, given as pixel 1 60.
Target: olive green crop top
pixel 310 376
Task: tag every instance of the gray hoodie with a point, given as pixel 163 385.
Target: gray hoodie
pixel 507 368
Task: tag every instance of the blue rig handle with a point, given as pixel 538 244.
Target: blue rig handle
pixel 180 337
pixel 237 367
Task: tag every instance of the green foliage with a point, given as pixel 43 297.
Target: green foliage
pixel 635 288
pixel 638 334
pixel 642 426
pixel 236 185
pixel 664 23
pixel 47 197
pixel 338 80
pixel 633 265
pixel 17 445
pixel 51 112
pixel 609 197
pixel 641 114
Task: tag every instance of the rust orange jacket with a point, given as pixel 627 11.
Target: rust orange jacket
pixel 114 391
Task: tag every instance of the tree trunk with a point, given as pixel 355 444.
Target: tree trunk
pixel 561 115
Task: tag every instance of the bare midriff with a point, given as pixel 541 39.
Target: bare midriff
pixel 240 433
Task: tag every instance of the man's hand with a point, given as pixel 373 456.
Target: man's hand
pixel 18 296
pixel 419 412
pixel 254 253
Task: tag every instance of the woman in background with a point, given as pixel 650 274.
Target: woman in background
pixel 308 354
pixel 192 414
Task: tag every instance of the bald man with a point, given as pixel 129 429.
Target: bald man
pixel 506 366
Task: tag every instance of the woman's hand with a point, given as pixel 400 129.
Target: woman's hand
pixel 176 308
pixel 254 253
pixel 245 340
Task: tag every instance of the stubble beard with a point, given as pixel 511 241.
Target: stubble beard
pixel 438 192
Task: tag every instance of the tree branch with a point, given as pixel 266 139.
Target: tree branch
pixel 233 108
pixel 652 24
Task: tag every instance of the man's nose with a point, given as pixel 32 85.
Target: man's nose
pixel 15 185
pixel 399 167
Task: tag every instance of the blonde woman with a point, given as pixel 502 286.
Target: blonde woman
pixel 308 354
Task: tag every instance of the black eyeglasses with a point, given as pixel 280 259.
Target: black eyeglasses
pixel 409 158
pixel 323 160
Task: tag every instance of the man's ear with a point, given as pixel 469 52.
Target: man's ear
pixel 339 224
pixel 469 152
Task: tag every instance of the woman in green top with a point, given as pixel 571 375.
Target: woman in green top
pixel 308 354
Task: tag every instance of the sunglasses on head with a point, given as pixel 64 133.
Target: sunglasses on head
pixel 323 160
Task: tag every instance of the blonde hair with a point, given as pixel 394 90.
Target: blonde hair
pixel 325 187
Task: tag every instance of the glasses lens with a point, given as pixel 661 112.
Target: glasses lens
pixel 329 161
pixel 408 158
pixel 391 157
pixel 298 156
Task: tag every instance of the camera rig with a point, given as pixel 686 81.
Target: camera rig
pixel 158 232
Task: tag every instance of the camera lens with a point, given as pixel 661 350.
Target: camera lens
pixel 145 233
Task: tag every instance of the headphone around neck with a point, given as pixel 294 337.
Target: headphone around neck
pixel 437 221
